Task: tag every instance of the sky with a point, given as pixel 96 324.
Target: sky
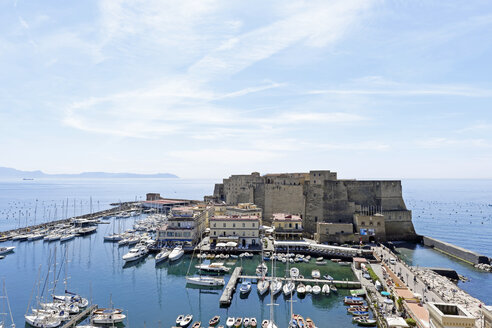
pixel 206 89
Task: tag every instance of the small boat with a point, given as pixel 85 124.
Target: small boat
pixel 289 288
pixel 352 300
pixel 344 263
pixel 301 289
pixel 261 269
pixel 365 322
pixel 67 237
pixel 321 262
pixel 176 254
pixel 359 313
pixel 42 321
pixel 245 288
pixel 294 272
pixel 162 256
pixel 106 319
pixel 310 323
pixel 217 267
pixel 230 322
pixel 326 289
pixel 299 320
pixel 334 289
pixel 238 322
pixel 263 287
pixel 35 236
pixel 352 309
pixel 179 319
pixel 315 274
pixel 316 289
pixel 252 322
pixel 268 324
pixel 196 324
pixel 327 277
pixel 214 321
pixel 186 320
pixel 246 322
pixel 5 250
pixel 309 289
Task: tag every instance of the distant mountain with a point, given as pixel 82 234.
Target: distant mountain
pixel 6 172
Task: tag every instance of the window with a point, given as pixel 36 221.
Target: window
pixel 362 223
pixel 297 226
pixel 290 225
pixel 233 225
pixel 379 223
pixel 215 233
pixel 215 225
pixel 224 225
pixel 253 224
pixel 244 234
pixel 244 224
pixel 315 219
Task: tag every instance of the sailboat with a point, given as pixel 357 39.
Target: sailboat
pixel 270 323
pixel 276 284
pixel 5 306
pixel 290 286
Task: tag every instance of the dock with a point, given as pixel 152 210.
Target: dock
pixel 337 283
pixel 226 297
pixel 80 316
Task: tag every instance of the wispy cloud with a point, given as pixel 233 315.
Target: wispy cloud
pixel 435 143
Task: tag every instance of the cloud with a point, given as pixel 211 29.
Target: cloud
pixel 224 156
pixel 319 117
pixel 435 143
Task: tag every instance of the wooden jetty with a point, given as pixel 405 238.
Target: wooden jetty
pixel 226 297
pixel 338 283
pixel 80 316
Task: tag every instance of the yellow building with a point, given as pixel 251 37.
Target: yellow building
pixel 242 229
pixel 444 315
pixel 184 224
pixel 287 226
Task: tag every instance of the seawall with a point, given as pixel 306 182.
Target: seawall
pixel 455 251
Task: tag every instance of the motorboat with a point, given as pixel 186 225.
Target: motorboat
pixel 35 236
pixel 262 286
pixel 238 322
pixel 299 320
pixel 186 320
pixel 214 321
pixel 301 289
pixel 268 324
pixel 359 313
pixel 108 318
pixel 276 286
pixel 355 308
pixel 294 273
pixel 246 322
pixel 310 323
pixel 309 289
pixel 325 289
pixel 176 253
pixel 205 281
pixel 196 324
pixel 365 322
pixel 316 289
pixel 216 267
pixel 162 256
pixel 334 289
pixel 179 319
pixel 42 321
pixel 261 269
pixel 252 322
pixel 315 274
pixel 289 288
pixel 230 322
pixel 136 253
pixel 107 311
pixel 327 277
pixel 5 250
pixel 245 288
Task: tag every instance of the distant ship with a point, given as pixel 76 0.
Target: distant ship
pixel 27 178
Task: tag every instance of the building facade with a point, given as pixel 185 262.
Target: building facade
pixel 287 226
pixel 184 224
pixel 242 229
pixel 444 315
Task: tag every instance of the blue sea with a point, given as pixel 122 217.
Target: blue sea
pixel 457 211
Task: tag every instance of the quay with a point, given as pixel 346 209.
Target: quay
pixel 80 316
pixel 338 283
pixel 226 297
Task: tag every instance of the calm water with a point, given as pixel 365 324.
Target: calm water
pixel 453 210
pixel 153 295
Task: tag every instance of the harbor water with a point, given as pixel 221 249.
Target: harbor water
pixel 457 211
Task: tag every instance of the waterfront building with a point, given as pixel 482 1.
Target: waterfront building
pixel 319 196
pixel 184 224
pixel 334 232
pixel 242 229
pixel 444 315
pixel 287 226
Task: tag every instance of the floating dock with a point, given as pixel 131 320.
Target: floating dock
pixel 80 316
pixel 226 297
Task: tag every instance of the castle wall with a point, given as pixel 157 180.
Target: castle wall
pixel 283 199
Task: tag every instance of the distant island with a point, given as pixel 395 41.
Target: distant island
pixel 6 172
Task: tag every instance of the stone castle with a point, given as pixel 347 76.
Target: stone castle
pixel 331 209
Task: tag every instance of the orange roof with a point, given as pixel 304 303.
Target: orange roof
pixel 404 293
pixel 419 313
pixel 360 259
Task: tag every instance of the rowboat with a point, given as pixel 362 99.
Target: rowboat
pixel 215 320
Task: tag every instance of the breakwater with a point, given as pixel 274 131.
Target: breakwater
pixel 465 255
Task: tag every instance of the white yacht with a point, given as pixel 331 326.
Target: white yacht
pixel 294 273
pixel 42 321
pixel 205 281
pixel 276 286
pixel 261 269
pixel 177 253
pixel 67 237
pixel 316 289
pixel 263 286
pixel 108 318
pixel 71 298
pixel 136 253
pixel 217 267
pixel 5 250
pixel 162 256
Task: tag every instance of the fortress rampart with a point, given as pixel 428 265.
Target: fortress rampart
pixel 318 196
